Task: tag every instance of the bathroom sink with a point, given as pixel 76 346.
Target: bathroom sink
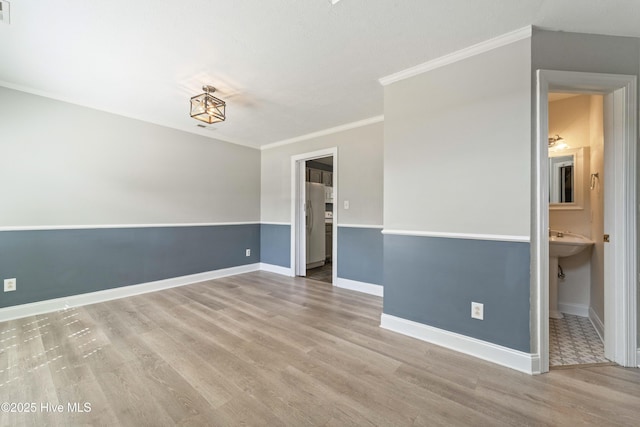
pixel 567 245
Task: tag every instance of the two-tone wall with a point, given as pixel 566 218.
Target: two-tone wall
pixel 359 181
pixel 588 53
pixel 91 201
pixel 457 168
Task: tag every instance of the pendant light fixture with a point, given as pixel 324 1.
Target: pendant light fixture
pixel 207 108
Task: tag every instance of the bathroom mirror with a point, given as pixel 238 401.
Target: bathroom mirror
pixel 567 177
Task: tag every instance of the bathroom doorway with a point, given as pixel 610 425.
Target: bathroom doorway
pixel 620 293
pixel 313 238
pixel 576 229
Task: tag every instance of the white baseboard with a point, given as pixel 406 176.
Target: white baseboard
pixel 597 324
pixel 367 288
pixel 574 309
pixel 514 359
pixel 285 271
pixel 48 306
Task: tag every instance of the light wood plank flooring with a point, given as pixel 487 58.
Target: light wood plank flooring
pixel 263 349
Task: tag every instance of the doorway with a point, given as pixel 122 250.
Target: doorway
pixel 620 309
pixel 314 239
pixel 576 214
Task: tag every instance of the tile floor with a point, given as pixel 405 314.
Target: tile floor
pixel 574 341
pixel 323 274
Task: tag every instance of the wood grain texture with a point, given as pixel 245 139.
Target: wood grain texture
pixel 264 349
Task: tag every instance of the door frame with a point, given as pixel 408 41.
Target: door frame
pixel 298 236
pixel 621 297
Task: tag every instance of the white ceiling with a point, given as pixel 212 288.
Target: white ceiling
pixel 285 67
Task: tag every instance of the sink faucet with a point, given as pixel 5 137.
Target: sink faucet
pixel 558 233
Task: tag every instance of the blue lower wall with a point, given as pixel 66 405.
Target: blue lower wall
pixel 360 253
pixel 433 281
pixel 58 263
pixel 275 244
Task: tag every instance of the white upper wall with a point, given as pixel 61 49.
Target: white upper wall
pixel 359 175
pixel 63 164
pixel 457 155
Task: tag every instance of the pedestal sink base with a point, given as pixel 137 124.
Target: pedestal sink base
pixel 554 313
pixel 561 245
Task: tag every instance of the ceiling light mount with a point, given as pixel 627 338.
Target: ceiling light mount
pixel 207 108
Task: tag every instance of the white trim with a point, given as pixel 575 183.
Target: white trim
pixel 621 295
pixel 329 131
pixel 354 285
pixel 48 306
pixel 597 323
pixel 459 55
pixel 271 268
pixel 361 226
pixel 100 226
pixel 514 359
pixel 275 223
pixel 499 237
pixel 574 309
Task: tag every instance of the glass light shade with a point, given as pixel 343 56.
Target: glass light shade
pixel 208 108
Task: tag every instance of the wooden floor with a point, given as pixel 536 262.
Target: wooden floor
pixel 263 349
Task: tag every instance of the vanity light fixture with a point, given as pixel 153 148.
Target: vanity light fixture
pixel 553 140
pixel 208 108
pixel 557 143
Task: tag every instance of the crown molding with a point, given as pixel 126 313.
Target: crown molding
pixel 329 131
pixel 467 52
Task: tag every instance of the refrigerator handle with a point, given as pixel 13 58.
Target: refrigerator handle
pixel 311 216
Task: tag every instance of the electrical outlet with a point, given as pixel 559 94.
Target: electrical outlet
pixel 9 285
pixel 248 252
pixel 346 204
pixel 477 311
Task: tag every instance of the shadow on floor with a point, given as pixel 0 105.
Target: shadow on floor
pixel 322 274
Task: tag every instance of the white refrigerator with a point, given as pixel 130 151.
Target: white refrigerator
pixel 314 223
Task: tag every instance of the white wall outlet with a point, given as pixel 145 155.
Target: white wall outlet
pixel 248 252
pixel 477 310
pixel 9 285
pixel 346 204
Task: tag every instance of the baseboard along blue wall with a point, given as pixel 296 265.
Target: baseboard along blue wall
pixel 360 253
pixel 58 263
pixel 433 281
pixel 275 244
